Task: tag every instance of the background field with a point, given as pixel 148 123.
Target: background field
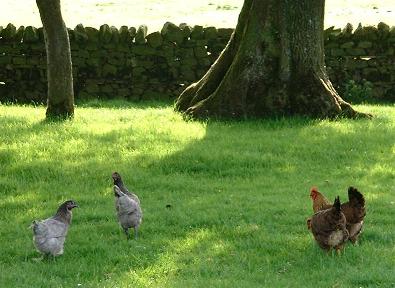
pixel 238 193
pixel 154 13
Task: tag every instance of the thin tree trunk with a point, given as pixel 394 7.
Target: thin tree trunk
pixel 60 103
pixel 272 65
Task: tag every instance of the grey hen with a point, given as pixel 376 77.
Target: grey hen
pixel 49 234
pixel 118 182
pixel 128 211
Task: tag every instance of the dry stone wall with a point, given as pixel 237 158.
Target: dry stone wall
pixel 129 63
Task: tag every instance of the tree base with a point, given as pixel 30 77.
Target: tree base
pixel 349 112
pixel 59 112
pixel 270 67
pixel 317 99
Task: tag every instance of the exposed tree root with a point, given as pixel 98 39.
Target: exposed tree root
pixel 269 68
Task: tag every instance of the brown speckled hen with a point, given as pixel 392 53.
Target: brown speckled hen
pixel 320 202
pixel 329 227
pixel 355 212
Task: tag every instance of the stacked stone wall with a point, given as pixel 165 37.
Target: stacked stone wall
pixel 130 63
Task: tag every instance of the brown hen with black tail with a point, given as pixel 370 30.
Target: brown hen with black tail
pixel 329 227
pixel 355 212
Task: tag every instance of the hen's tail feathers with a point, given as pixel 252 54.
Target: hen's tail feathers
pixel 336 204
pixel 355 197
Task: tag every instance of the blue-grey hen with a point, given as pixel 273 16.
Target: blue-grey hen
pixel 50 234
pixel 128 207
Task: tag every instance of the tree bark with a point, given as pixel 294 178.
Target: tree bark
pixel 272 65
pixel 60 103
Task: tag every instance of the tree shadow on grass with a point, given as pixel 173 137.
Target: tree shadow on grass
pixel 238 198
pixel 245 175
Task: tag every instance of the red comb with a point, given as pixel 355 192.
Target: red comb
pixel 314 189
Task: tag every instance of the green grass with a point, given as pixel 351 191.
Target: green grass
pixel 238 190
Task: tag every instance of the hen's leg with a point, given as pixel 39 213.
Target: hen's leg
pixel 47 257
pixel 126 230
pixel 339 249
pixel 354 239
pixel 41 258
pixel 136 233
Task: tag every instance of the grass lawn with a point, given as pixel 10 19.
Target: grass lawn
pixel 238 192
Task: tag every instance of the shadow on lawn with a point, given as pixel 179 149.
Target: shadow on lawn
pixel 263 182
pixel 232 193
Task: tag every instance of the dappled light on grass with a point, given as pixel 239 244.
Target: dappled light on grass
pixel 223 202
pixel 19 207
pixel 102 134
pixel 172 260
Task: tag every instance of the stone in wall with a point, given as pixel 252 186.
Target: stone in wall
pixel 19 34
pixel 125 35
pixel 105 33
pixel 186 30
pixel 210 33
pixel 92 33
pixel 8 32
pixel 197 32
pixel 115 35
pixel 172 33
pixel 80 34
pixel 30 35
pixel 141 34
pixel 154 39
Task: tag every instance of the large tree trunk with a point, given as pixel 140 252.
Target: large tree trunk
pixel 272 65
pixel 60 102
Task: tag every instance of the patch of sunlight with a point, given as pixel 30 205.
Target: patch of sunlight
pixel 40 147
pixel 19 199
pixel 168 264
pixel 287 168
pixel 103 133
pixel 19 112
pixel 99 128
pixel 382 168
pixel 138 122
pixel 26 212
pixel 250 228
pixel 371 196
pixel 343 127
pixel 74 147
pixel 219 247
pixel 98 121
